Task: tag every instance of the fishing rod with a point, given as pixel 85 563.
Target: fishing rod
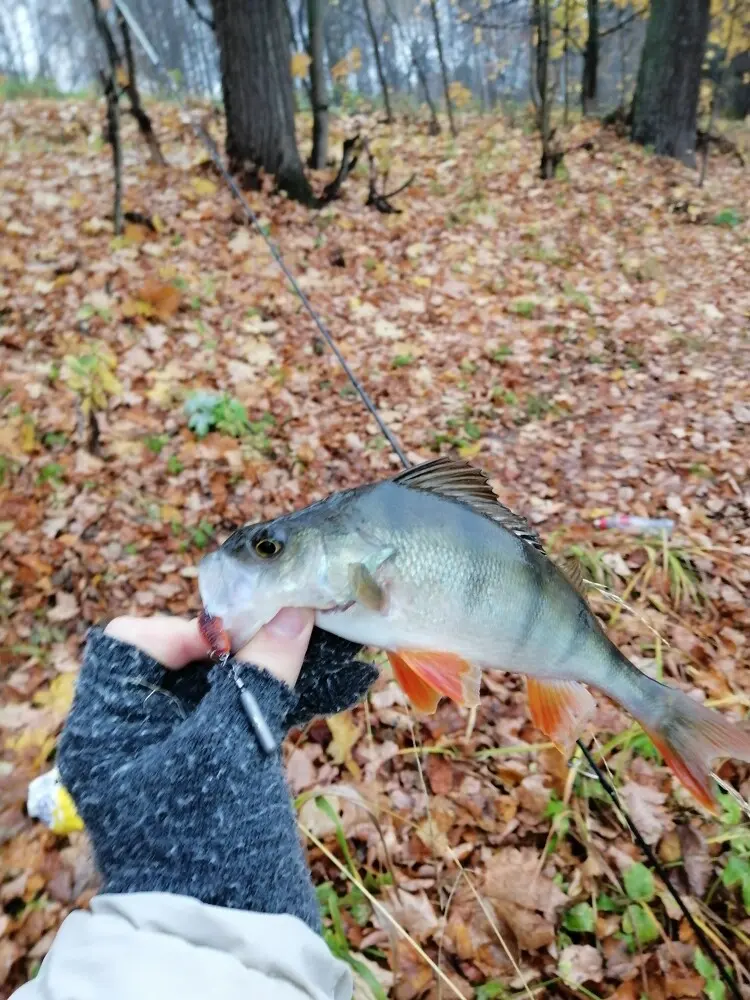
pixel 207 141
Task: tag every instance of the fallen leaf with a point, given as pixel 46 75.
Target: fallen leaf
pixel 646 806
pixel 345 735
pixel 163 299
pixel 65 608
pixel 579 964
pixel 526 899
pixel 696 859
pixel 300 769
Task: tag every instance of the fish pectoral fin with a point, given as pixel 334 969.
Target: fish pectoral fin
pixel 560 709
pixel 422 696
pixel 366 588
pixel 445 673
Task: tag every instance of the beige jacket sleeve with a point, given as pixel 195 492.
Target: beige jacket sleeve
pixel 156 946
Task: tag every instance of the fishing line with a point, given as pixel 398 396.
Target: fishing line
pixel 210 146
pixel 207 141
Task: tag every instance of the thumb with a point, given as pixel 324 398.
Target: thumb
pixel 280 646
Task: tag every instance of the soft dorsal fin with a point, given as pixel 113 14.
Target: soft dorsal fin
pixel 457 480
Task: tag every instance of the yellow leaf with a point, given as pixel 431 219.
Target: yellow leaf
pixel 660 296
pixel 170 515
pixel 351 62
pixel 122 76
pixel 345 735
pixel 203 186
pixel 477 36
pixel 110 384
pixel 420 281
pixel 58 696
pixel 300 64
pixel 134 232
pixel 470 451
pixel 459 94
pixel 28 437
pixel 132 308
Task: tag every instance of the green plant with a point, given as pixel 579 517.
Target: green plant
pixel 402 360
pixel 559 812
pixel 156 442
pixel 537 406
pixel 506 396
pixel 728 217
pixel 51 473
pixel 493 989
pixel 639 924
pixel 334 932
pixel 202 534
pixel 639 883
pixel 174 465
pixel 714 988
pixel 523 307
pixel 209 410
pixel 502 353
pixel 91 376
pixel 13 89
pixel 580 919
pixel 54 439
pixel 737 873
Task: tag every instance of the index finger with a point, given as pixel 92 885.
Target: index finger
pixel 173 642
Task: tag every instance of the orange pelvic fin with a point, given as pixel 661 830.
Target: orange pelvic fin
pixel 444 673
pixel 422 696
pixel 560 709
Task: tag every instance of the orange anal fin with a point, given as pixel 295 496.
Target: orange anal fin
pixel 424 697
pixel 447 673
pixel 699 785
pixel 560 709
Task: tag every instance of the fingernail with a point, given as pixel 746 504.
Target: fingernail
pixel 289 623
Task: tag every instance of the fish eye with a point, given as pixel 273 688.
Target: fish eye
pixel 267 547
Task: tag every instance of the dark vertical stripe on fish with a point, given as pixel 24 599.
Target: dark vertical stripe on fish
pixel 476 586
pixel 582 626
pixel 535 602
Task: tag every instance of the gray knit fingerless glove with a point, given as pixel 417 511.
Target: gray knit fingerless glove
pixel 172 785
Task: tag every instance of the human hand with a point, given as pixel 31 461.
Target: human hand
pixel 327 675
pixel 279 647
pixel 171 784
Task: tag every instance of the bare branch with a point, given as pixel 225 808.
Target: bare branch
pixel 203 18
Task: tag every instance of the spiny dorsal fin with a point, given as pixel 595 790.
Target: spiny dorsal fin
pixel 457 480
pixel 573 572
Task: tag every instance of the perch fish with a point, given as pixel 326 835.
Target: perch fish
pixel 431 567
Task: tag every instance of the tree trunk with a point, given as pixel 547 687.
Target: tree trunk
pixel 422 77
pixel 256 81
pixel 443 70
pixel 136 107
pixel 318 90
pixel 590 59
pixel 378 62
pixel 666 97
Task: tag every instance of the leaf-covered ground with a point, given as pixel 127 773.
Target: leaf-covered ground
pixel 584 340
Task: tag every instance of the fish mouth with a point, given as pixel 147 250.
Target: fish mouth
pixel 213 585
pixel 229 591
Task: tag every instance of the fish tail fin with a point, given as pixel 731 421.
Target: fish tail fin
pixel 690 737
